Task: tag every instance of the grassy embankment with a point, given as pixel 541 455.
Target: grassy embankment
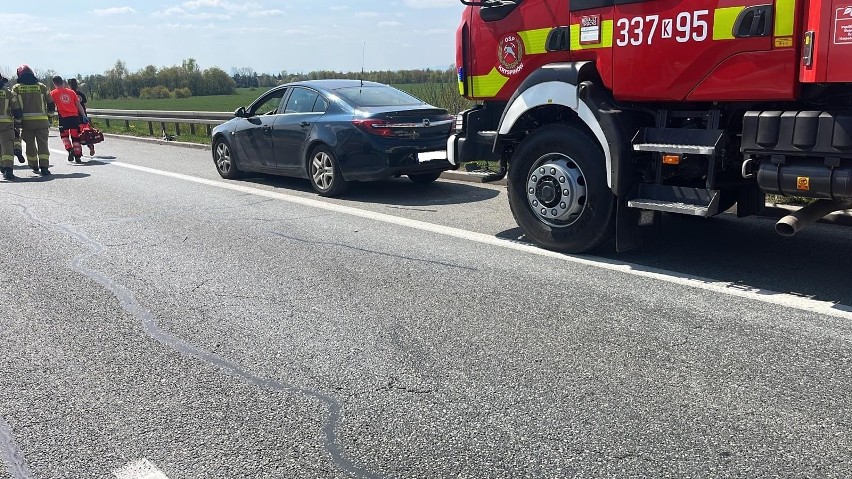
pixel 434 93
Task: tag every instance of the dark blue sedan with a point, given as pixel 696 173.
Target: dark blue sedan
pixel 333 132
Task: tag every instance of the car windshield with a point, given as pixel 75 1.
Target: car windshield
pixel 370 95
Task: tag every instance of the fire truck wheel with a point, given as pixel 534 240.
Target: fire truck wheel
pixel 558 191
pixel 223 158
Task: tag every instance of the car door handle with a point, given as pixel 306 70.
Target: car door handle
pixel 266 128
pixel 304 123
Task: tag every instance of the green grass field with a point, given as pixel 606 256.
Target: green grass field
pixel 225 103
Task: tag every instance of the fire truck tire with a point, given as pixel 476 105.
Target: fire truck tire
pixel 558 191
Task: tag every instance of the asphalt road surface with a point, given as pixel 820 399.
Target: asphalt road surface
pixel 159 322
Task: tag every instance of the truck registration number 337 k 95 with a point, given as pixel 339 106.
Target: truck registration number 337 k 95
pixel 686 27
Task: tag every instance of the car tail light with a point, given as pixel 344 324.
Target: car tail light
pixel 373 127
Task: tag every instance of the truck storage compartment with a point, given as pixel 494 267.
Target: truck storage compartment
pixel 827 42
pixel 797 133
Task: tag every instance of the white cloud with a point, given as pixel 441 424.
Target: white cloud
pixel 338 8
pixel 431 3
pixel 114 11
pixel 390 24
pixel 266 13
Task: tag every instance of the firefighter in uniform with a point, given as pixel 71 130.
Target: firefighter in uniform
pixel 37 105
pixel 10 114
pixel 71 116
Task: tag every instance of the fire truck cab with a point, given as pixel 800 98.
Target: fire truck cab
pixel 607 113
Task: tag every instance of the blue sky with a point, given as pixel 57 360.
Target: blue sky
pixel 269 36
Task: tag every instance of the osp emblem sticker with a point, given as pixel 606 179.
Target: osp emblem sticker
pixel 510 53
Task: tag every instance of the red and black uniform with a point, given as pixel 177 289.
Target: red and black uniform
pixel 69 120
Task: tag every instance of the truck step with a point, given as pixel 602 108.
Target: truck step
pixel 675 149
pixel 670 207
pixel 678 141
pixel 675 199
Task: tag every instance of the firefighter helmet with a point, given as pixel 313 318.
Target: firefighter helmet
pixel 23 69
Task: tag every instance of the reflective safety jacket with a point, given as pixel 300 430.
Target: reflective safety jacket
pixel 35 102
pixel 8 105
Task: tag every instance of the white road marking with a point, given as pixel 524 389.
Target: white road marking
pixel 672 277
pixel 141 469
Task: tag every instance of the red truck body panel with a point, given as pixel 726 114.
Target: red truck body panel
pixel 664 50
pixel 831 23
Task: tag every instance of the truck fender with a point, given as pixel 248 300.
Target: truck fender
pixel 560 84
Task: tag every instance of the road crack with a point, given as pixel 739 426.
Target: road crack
pixel 150 326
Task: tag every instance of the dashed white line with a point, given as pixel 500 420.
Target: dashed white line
pixel 141 469
pixel 697 282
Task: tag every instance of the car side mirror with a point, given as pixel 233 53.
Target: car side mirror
pixel 240 112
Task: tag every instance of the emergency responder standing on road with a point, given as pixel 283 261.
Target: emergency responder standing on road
pixel 10 113
pixel 71 116
pixel 36 103
pixel 72 84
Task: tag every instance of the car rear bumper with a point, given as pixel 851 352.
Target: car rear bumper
pixel 374 160
pixel 399 168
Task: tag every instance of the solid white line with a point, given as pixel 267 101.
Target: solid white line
pixel 697 282
pixel 141 469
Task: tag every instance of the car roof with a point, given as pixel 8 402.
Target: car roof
pixel 333 84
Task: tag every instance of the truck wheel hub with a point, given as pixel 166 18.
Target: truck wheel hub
pixel 556 189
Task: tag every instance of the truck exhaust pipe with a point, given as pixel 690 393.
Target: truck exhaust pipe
pixel 798 220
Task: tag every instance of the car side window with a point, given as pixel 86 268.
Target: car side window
pixel 321 105
pixel 268 105
pixel 301 101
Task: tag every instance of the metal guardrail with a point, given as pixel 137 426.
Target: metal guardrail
pixel 208 119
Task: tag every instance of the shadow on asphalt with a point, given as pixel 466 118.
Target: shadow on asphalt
pixel 816 263
pixel 35 178
pixel 394 191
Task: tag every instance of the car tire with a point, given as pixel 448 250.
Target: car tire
pixel 324 172
pixel 558 190
pixel 223 158
pixel 424 178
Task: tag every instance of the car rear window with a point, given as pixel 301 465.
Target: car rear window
pixel 366 96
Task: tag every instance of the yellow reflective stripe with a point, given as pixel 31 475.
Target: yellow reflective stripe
pixel 34 116
pixel 535 40
pixel 723 22
pixel 606 37
pixel 461 88
pixel 21 88
pixel 486 86
pixel 6 120
pixel 785 14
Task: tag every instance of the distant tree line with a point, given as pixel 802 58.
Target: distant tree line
pixel 187 79
pixel 179 81
pixel 248 78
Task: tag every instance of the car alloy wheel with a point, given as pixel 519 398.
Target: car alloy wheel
pixel 324 173
pixel 222 157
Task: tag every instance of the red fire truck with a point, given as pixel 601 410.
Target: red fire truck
pixel 606 113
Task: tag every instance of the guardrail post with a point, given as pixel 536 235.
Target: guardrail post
pixel 209 130
pixel 126 124
pixel 107 122
pixel 177 129
pixel 163 126
pixel 192 128
pixel 151 128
